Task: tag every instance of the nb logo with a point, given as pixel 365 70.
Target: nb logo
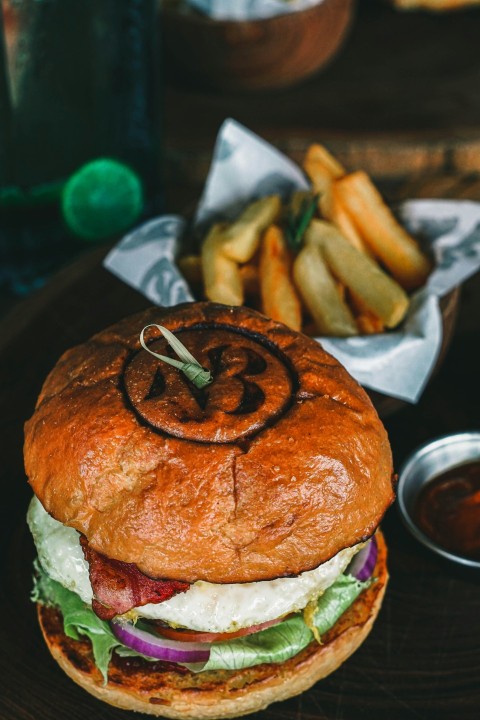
pixel 251 388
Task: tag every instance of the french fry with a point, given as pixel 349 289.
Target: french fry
pixel 379 293
pixel 221 275
pixel 191 268
pixel 242 238
pixel 341 290
pixel 368 323
pixel 322 184
pixel 395 248
pixel 250 278
pixel 279 297
pixel 340 217
pixel 335 276
pixel 319 292
pixel 318 154
pixel 322 169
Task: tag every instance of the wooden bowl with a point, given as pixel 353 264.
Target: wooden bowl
pixel 259 54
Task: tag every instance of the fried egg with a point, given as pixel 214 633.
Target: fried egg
pixel 205 606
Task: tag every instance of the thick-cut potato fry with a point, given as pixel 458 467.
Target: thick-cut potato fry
pixel 279 297
pixel 250 277
pixel 379 293
pixel 191 268
pixel 318 154
pixel 391 243
pixel 433 5
pixel 318 290
pixel 221 275
pixel 341 290
pixel 242 238
pixel 340 217
pixel 322 169
pixel 322 184
pixel 368 323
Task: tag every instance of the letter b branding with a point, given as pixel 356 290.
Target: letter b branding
pixel 252 387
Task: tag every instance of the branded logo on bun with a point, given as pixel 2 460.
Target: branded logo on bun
pixel 213 534
pixel 252 386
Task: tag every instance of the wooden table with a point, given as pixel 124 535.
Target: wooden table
pixel 400 99
pixel 422 659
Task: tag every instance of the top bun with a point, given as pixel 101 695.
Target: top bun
pixel 271 470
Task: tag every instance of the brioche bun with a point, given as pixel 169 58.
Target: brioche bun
pixel 272 470
pixel 174 692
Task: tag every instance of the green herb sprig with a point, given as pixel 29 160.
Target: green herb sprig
pixel 297 223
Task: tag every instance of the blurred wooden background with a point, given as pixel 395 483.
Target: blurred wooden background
pixel 401 100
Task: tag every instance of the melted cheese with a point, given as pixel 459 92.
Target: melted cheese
pixel 205 606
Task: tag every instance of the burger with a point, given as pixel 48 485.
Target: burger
pixel 205 549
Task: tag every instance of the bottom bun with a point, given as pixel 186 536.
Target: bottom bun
pixel 172 691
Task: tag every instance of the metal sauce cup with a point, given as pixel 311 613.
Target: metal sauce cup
pixel 426 463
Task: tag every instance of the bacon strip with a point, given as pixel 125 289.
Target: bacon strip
pixel 119 586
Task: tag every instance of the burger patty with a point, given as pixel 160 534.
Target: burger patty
pixel 204 606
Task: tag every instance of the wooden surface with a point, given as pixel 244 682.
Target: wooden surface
pixel 400 98
pixel 422 660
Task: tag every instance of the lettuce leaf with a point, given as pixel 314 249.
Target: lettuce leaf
pixel 285 640
pixel 273 645
pixel 337 599
pixel 78 618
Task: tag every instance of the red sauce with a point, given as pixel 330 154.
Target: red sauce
pixel 448 510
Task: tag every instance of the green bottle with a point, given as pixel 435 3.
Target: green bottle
pixel 79 129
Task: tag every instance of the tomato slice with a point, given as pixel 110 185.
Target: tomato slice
pixel 208 637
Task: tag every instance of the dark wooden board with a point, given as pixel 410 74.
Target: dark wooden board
pixel 422 659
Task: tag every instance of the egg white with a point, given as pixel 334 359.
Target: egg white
pixel 204 606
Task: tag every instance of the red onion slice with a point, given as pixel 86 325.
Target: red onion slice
pixel 364 562
pixel 157 647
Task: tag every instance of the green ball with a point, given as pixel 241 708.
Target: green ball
pixel 102 199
